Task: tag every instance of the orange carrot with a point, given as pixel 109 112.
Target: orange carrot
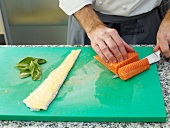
pixel 133 69
pixel 132 57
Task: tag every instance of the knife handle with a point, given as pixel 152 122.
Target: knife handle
pixel 133 69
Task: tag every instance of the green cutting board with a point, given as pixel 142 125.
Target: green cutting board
pixel 89 93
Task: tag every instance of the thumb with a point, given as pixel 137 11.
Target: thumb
pixel 157 47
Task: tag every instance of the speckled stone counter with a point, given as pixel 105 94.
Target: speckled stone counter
pixel 164 73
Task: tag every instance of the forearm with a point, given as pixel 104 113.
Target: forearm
pixel 88 19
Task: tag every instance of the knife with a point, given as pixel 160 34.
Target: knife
pixel 152 58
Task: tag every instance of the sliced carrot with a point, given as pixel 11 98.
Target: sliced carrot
pixel 133 69
pixel 132 57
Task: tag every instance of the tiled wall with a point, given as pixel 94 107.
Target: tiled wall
pixel 35 22
pixel 1 30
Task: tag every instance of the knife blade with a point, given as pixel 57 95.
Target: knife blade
pixel 152 58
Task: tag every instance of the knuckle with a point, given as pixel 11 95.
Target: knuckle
pixel 113 31
pixel 119 44
pixel 104 48
pixel 113 46
pixel 110 56
pixel 104 33
pixel 97 51
pixel 118 55
pixel 96 38
pixel 95 47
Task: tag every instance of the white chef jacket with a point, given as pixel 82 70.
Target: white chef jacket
pixel 111 7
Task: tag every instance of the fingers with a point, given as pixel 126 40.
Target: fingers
pixel 115 45
pixel 106 52
pixel 163 37
pixel 122 47
pixel 128 47
pixel 109 45
pixel 99 52
pixel 116 49
pixel 163 44
pixel 157 47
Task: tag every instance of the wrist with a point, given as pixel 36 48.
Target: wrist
pixel 93 28
pixel 88 19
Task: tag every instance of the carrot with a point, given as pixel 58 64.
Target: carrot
pixel 113 67
pixel 133 69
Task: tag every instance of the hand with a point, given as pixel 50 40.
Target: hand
pixel 163 37
pixel 163 40
pixel 107 43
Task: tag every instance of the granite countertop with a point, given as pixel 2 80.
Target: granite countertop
pixel 164 73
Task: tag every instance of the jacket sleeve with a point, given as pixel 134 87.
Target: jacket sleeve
pixel 71 6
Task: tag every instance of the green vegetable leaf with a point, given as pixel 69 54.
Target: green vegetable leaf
pixel 36 75
pixel 26 61
pixel 36 70
pixel 25 73
pixel 29 66
pixel 24 64
pixel 41 61
pixel 21 67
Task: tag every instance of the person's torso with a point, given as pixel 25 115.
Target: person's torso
pixel 125 7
